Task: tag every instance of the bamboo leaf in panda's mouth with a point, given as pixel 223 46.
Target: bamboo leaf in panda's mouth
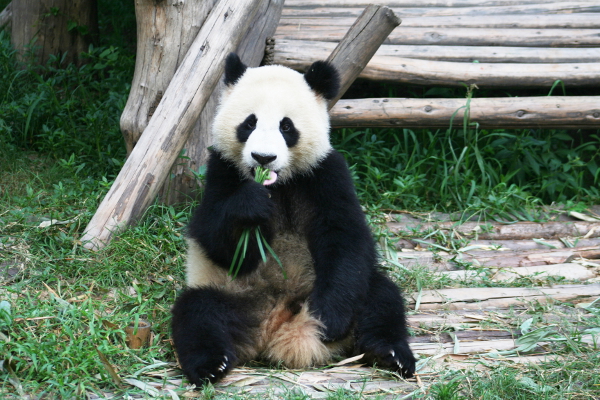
pixel 261 175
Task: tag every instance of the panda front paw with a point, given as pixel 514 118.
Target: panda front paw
pixel 336 323
pixel 254 206
pixel 204 368
pixel 397 358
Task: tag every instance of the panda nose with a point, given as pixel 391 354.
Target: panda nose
pixel 263 159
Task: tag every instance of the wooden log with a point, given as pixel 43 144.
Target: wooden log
pixel 527 258
pixel 6 16
pixel 570 271
pixel 496 231
pixel 367 34
pixel 455 36
pixel 542 21
pixel 410 3
pixel 565 7
pixel 148 164
pixel 484 346
pixel 479 298
pixel 520 245
pixel 181 185
pixel 514 112
pixel 165 32
pixel 431 73
pixel 287 50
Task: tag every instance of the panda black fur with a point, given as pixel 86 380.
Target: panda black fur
pixel 335 301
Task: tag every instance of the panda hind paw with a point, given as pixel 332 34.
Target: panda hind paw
pixel 203 370
pixel 397 358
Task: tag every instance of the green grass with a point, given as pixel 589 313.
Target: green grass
pixel 63 309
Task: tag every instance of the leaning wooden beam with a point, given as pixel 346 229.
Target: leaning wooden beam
pixel 497 231
pixel 456 36
pixel 288 50
pixel 514 112
pixel 367 34
pixel 6 16
pixel 479 298
pixel 148 164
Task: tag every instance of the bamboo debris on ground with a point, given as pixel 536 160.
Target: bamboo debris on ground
pixel 499 231
pixel 479 298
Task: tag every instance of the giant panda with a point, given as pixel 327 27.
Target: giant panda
pixel 331 299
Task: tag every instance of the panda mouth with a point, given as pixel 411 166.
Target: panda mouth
pixel 271 178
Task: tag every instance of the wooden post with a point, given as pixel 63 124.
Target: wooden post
pixel 148 164
pixel 360 43
pixel 54 27
pixel 181 185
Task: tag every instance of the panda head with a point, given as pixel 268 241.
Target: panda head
pixel 274 117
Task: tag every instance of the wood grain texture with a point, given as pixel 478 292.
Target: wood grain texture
pixel 535 112
pixel 293 51
pixel 456 36
pixel 432 73
pixel 497 231
pixel 47 24
pixel 181 186
pixel 148 164
pixel 360 42
pixel 479 298
pixel 542 21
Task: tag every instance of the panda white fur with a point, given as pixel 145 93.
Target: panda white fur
pixel 334 301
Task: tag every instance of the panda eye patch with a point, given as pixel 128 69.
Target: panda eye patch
pixel 246 128
pixel 289 132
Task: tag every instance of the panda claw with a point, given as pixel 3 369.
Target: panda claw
pixel 211 375
pixel 226 359
pixel 392 353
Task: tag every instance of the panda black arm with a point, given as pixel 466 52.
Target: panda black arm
pixel 341 246
pixel 230 204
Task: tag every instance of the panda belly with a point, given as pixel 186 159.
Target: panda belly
pixel 286 331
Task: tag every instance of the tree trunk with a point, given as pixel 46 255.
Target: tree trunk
pixel 145 170
pixel 165 31
pixel 64 28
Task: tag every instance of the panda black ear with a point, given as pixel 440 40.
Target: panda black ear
pixel 323 78
pixel 234 69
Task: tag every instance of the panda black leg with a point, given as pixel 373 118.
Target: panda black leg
pixel 208 324
pixel 381 328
